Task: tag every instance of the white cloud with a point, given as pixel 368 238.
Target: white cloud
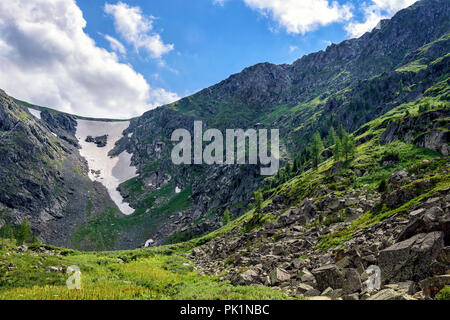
pixel 137 29
pixel 301 16
pixel 116 45
pixel 292 49
pixel 47 58
pixel 374 12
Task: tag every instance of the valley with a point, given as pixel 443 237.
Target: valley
pixel 364 181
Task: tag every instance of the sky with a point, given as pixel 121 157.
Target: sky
pixel 118 59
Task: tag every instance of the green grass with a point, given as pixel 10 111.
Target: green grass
pixel 143 274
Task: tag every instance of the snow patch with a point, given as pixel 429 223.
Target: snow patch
pixel 35 113
pixel 148 243
pixel 111 172
pixel 177 190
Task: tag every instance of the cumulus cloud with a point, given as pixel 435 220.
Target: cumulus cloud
pixel 302 16
pixel 137 29
pixel 48 59
pixel 374 12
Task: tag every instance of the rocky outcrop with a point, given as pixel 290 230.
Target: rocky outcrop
pixel 426 130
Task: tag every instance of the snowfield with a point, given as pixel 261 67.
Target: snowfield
pixel 35 113
pixel 111 172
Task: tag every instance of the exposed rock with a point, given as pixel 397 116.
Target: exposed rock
pixel 407 287
pixel 278 275
pixel 328 276
pixel 411 259
pixel 302 288
pixel 432 286
pixel 352 282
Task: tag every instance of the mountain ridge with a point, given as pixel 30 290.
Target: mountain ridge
pixel 351 84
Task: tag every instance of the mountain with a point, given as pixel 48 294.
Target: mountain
pixel 47 179
pixel 363 195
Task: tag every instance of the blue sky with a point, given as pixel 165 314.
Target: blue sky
pixel 120 58
pixel 210 41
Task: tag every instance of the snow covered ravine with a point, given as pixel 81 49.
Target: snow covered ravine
pixel 111 172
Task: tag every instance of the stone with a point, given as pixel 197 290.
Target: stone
pixel 338 293
pixel 306 277
pixel 312 293
pixel 432 286
pixel 410 259
pixel 22 248
pixel 387 294
pixel 302 288
pixel 328 292
pixel 248 277
pixel 279 275
pixel 407 287
pixel 352 282
pixel 328 276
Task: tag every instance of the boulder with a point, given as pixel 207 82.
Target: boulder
pixel 388 294
pixel 279 275
pixel 352 281
pixel 328 276
pixel 433 219
pixel 410 259
pixel 246 278
pixel 306 277
pixel 407 287
pixel 328 292
pixel 302 288
pixel 312 293
pixel 432 286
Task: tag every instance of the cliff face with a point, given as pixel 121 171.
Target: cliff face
pixel 351 83
pixel 42 176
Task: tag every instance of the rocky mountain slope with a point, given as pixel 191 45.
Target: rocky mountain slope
pixel 323 231
pixel 42 176
pixel 404 61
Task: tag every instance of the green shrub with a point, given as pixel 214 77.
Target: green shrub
pixel 444 294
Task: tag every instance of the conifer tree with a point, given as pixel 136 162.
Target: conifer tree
pixel 24 232
pixel 226 217
pixel 316 149
pixel 337 151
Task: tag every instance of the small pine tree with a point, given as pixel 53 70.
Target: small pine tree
pixel 337 151
pixel 348 147
pixel 35 239
pixel 384 186
pixel 341 132
pixel 332 137
pixel 258 201
pixel 400 86
pixel 316 149
pixel 295 166
pixel 226 217
pixel 6 232
pixel 24 232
